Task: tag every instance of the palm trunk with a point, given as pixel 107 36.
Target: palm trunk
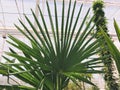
pixel 58 82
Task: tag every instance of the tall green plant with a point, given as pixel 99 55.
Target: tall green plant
pixel 51 60
pixel 113 49
pixel 98 6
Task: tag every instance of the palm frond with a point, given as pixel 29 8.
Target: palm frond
pixel 48 63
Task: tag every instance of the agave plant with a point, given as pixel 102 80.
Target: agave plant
pixel 50 62
pixel 113 49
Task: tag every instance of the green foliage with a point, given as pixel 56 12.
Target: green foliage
pixel 52 59
pixel 98 5
pixel 99 14
pixel 95 88
pixel 113 49
pixel 117 29
pixel 15 87
pixel 73 86
pixel 100 21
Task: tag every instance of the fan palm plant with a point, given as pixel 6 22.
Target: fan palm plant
pixel 53 59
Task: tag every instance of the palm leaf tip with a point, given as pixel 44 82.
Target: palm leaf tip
pixel 117 29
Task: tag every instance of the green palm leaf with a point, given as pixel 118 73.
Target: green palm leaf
pixel 48 63
pixel 117 29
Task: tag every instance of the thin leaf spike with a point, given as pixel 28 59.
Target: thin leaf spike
pixel 70 25
pixel 52 25
pixel 67 22
pixel 62 24
pixel 75 25
pixel 117 29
